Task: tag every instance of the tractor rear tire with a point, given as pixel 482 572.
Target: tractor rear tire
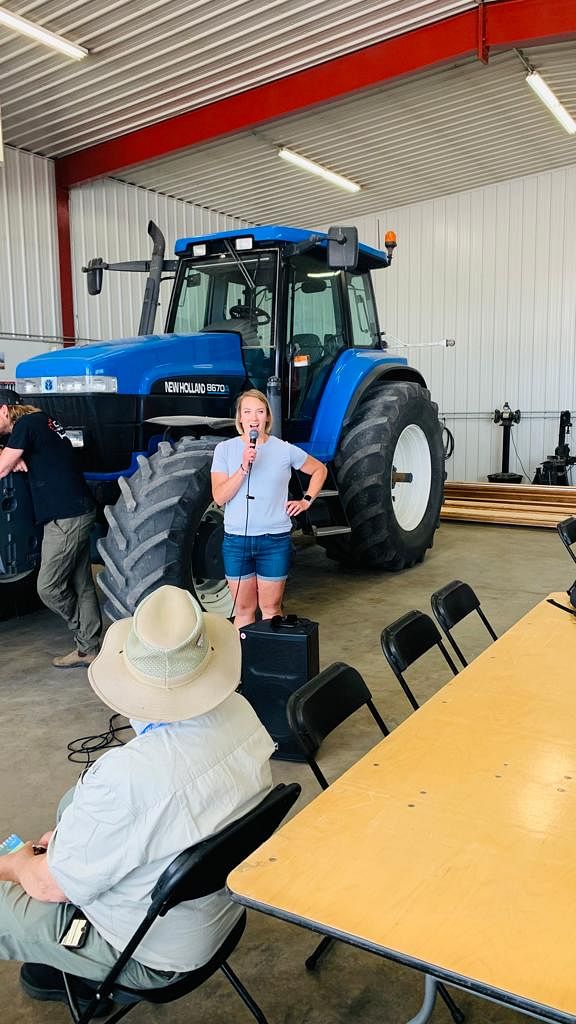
pixel 19 596
pixel 394 429
pixel 165 528
pixel 20 547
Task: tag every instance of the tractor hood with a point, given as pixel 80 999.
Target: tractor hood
pixel 135 364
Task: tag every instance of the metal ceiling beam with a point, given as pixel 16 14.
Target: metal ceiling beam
pixel 499 24
pixel 504 23
pixel 65 264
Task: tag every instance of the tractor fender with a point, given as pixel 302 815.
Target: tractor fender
pixel 355 371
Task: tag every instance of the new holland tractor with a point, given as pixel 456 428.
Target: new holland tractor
pixel 281 309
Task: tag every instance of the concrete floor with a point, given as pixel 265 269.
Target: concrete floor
pixel 43 709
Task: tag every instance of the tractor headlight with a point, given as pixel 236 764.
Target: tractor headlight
pixel 29 386
pixel 84 385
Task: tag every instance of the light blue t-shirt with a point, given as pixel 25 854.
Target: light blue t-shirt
pixel 271 471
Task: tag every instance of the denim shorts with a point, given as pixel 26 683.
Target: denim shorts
pixel 266 556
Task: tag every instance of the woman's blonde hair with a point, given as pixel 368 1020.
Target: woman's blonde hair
pixel 253 393
pixel 16 411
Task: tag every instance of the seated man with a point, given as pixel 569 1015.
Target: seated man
pixel 200 760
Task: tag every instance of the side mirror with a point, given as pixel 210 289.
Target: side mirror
pixel 94 275
pixel 343 248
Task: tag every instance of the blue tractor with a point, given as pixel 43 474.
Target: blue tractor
pixel 287 311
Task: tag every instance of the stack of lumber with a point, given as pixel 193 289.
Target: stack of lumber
pixel 508 504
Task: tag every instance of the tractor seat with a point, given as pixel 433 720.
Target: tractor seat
pixel 308 345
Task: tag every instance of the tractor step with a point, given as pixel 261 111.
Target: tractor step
pixel 326 516
pixel 330 531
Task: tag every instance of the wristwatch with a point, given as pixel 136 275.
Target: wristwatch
pixel 308 498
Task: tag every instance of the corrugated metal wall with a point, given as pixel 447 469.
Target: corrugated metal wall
pixel 109 219
pixel 491 267
pixel 494 269
pixel 29 286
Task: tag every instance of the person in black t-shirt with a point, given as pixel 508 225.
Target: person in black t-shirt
pixel 64 506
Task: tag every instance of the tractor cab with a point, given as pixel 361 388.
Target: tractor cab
pixel 297 300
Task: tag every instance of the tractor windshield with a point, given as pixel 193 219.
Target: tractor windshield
pixel 224 293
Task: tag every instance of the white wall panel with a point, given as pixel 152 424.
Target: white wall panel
pixel 494 269
pixel 29 285
pixel 109 219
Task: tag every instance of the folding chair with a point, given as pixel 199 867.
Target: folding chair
pixel 567 531
pixel 198 871
pixel 407 639
pixel 453 603
pixel 314 711
pixel 323 703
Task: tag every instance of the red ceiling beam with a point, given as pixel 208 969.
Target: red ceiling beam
pixel 434 44
pixel 521 22
pixel 503 23
pixel 65 263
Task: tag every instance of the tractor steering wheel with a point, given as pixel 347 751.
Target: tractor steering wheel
pixel 254 313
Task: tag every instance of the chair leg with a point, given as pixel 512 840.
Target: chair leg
pixel 427 1008
pixel 90 1011
pixel 243 993
pixel 455 1011
pixel 318 952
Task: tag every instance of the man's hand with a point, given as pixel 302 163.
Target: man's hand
pixel 10 459
pixel 32 873
pixel 45 839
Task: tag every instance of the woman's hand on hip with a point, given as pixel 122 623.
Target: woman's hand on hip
pixel 295 508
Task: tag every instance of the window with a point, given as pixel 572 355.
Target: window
pixel 315 332
pixel 227 294
pixel 362 311
pixel 222 294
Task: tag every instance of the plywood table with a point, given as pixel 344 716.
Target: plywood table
pixel 451 846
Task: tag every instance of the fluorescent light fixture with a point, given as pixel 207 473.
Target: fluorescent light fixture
pixel 41 35
pixel 314 168
pixel 550 100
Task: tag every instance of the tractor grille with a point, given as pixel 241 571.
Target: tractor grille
pixel 110 426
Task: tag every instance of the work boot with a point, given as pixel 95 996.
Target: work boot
pixel 47 984
pixel 76 659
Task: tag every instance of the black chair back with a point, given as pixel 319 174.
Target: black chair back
pixel 407 639
pixel 205 867
pixel 453 603
pixel 197 872
pixel 567 531
pixel 323 703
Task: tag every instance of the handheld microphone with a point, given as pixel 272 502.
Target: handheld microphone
pixel 252 438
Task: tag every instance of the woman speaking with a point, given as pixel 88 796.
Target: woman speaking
pixel 250 477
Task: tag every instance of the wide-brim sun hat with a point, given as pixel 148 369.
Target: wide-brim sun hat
pixel 170 661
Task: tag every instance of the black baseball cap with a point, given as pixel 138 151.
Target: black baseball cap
pixel 9 397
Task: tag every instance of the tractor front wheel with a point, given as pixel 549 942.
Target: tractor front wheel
pixel 390 473
pixel 165 528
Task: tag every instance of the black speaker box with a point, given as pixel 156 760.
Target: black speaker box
pixel 278 658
